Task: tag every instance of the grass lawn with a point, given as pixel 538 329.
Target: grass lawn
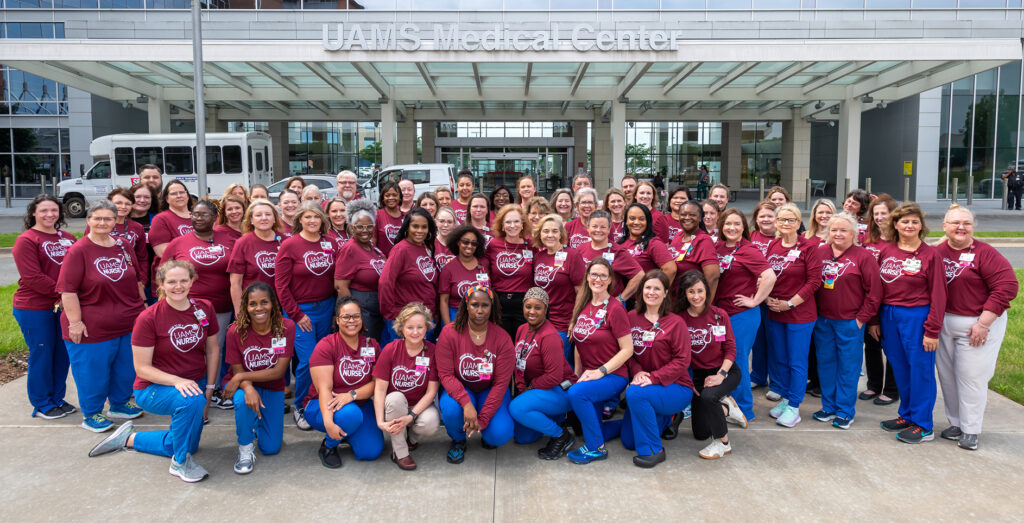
pixel 1009 378
pixel 7 238
pixel 10 334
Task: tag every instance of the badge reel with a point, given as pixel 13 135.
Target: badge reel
pixel 277 344
pixel 484 370
pixel 367 354
pixel 422 364
pixel 610 256
pixel 201 316
pixel 718 331
pixel 560 257
pixel 326 247
pixel 726 262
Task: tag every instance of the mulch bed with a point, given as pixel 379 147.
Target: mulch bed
pixel 13 366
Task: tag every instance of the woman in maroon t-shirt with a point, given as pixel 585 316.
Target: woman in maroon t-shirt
pixel 130 231
pixel 464 190
pixel 410 273
pixel 600 331
pixel 359 274
pixel 821 212
pixel 102 295
pixel 626 272
pixel 254 255
pixel 643 245
pixel 676 198
pixel 405 385
pixel 479 215
pixel 562 204
pixel 615 205
pixel 693 248
pixel 389 217
pixel 38 255
pixel 175 348
pixel 578 228
pixel 881 384
pixel 229 219
pixel 510 258
pixel 763 219
pixel 337 227
pixel 647 195
pixel 446 222
pixel 559 271
pixel 174 220
pixel 468 269
pixel 288 203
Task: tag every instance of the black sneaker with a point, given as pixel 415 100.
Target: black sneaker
pixel 968 441
pixel 672 430
pixel 896 425
pixel 330 458
pixel 952 433
pixel 915 434
pixel 816 392
pixel 456 452
pixel 649 461
pixel 52 413
pixel 68 408
pixel 557 447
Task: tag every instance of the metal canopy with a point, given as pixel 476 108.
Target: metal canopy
pixel 725 80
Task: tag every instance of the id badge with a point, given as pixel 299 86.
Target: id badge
pixel 718 331
pixel 601 314
pixel 65 242
pixel 648 338
pixel 278 344
pixel 911 266
pixel 422 364
pixel 216 249
pixel 560 257
pixel 830 283
pixel 201 316
pixel 966 259
pixel 326 247
pixel 793 255
pixel 483 277
pixel 367 354
pixel 484 370
pixel 726 262
pixel 610 256
pixel 521 365
pixel 528 256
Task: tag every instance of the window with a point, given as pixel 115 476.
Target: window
pixel 178 160
pixel 232 159
pixel 259 161
pixel 100 171
pixel 250 159
pixel 153 155
pixel 213 160
pixel 124 160
pixel 417 176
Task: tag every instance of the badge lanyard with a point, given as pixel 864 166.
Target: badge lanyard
pixel 600 315
pixel 718 330
pixel 199 314
pixel 687 247
pixel 728 259
pixel 124 253
pixel 524 353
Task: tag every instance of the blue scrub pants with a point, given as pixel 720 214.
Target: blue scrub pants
pixel 790 343
pixel 761 358
pixel 499 430
pixel 588 398
pixel 567 347
pixel 650 411
pixel 267 429
pixel 839 346
pixel 47 358
pixel 321 314
pixel 744 329
pixel 913 368
pixel 538 412
pixel 359 422
pixel 102 371
pixel 182 437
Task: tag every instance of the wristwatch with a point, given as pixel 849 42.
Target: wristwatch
pixel 354 394
pixel 414 416
pixel 723 372
pixel 603 370
pixel 790 303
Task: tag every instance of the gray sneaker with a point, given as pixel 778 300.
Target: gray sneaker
pixel 968 441
pixel 190 471
pixel 246 458
pixel 300 419
pixel 114 442
pixel 952 433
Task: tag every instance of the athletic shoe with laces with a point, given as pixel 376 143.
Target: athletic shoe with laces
pixel 896 425
pixel 687 412
pixel 773 396
pixel 329 458
pixel 130 410
pixel 716 449
pixel 968 441
pixel 300 420
pixel 735 415
pixel 842 423
pixel 823 416
pixel 114 442
pixel 789 418
pixel 557 447
pixel 97 423
pixel 68 408
pixel 223 403
pixel 189 471
pixel 583 455
pixel 51 413
pixel 456 452
pixel 246 458
pixel 915 434
pixel 952 433
pixel 779 409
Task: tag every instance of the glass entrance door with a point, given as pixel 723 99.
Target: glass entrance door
pixel 494 169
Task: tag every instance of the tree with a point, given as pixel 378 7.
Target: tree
pixel 371 153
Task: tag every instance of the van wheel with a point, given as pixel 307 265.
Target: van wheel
pixel 75 207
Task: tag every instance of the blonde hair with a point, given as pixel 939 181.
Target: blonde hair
pixel 563 237
pixel 812 230
pixel 247 225
pixel 498 225
pixel 779 210
pixel 408 312
pixel 843 217
pixel 232 187
pixel 654 192
pixel 167 266
pixel 313 207
pixel 956 207
pixel 607 196
pixel 310 190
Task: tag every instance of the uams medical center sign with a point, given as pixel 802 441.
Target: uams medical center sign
pixel 499 37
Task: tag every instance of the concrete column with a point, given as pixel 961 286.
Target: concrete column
pixel 926 165
pixel 406 148
pixel 796 156
pixel 388 134
pixel 732 154
pixel 213 122
pixel 848 164
pixel 579 150
pixel 80 130
pixel 427 144
pixel 618 146
pixel 159 113
pixel 278 130
pixel 601 152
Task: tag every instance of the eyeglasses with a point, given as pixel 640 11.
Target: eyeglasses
pixel 349 318
pixel 201 215
pixel 469 243
pixel 362 228
pixel 787 221
pixel 957 225
pixel 599 277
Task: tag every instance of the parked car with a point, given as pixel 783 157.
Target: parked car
pixel 426 177
pixel 325 182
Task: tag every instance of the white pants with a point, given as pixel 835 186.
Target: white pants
pixel 964 371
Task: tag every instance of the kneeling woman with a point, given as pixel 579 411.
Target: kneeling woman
pixel 176 353
pixel 260 345
pixel 600 330
pixel 341 367
pixel 660 364
pixel 406 384
pixel 474 363
pixel 542 378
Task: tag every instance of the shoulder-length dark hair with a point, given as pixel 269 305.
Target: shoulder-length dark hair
pixel 457 233
pixel 461 320
pixel 743 220
pixel 648 233
pixel 863 198
pixel 243 322
pixel 403 231
pixel 30 211
pixel 689 279
pixel 874 231
pixel 511 195
pixel 587 295
pixel 166 191
pixel 666 304
pixel 384 188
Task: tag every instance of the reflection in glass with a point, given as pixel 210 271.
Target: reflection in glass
pixel 984 114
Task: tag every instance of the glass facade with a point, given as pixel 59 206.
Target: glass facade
pixel 503 129
pixel 674 150
pixel 762 154
pixel 330 147
pixel 30 156
pixel 522 5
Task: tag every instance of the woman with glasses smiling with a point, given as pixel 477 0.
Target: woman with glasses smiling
pixel 578 228
pixel 510 258
pixel 468 269
pixel 359 274
pixel 173 221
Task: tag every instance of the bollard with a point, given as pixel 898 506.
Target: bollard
pixel 955 190
pixel 867 185
pixel 906 189
pixel 7 191
pixel 55 186
pixel 1006 187
pixel 846 186
pixel 970 189
pixel 761 189
pixel 42 185
pixel 807 195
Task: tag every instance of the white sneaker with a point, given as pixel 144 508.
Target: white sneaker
pixel 735 415
pixel 779 409
pixel 246 458
pixel 772 396
pixel 190 471
pixel 300 420
pixel 715 450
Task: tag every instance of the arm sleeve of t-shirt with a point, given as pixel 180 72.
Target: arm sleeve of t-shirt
pixel 659 253
pixel 1002 284
pixel 236 261
pixel 144 331
pixel 680 362
pixel 382 367
pixel 71 271
pixel 577 269
pixel 505 363
pixel 937 301
pixel 553 356
pixel 618 320
pixel 233 347
pixel 812 273
pixel 447 346
pixel 444 283
pixel 626 265
pixel 388 279
pixel 347 271
pixel 754 260
pixel 283 283
pixel 704 252
pixel 289 337
pixel 661 228
pixel 729 345
pixel 160 231
pixel 869 279
pixel 30 271
pixel 321 356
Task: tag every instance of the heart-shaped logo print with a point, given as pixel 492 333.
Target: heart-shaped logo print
pixel 890 269
pixel 761 246
pixel 831 270
pixel 778 263
pixel 391 231
pixel 186 337
pixel 185 229
pixel 639 347
pixel 508 262
pixel 953 268
pixel 673 231
pixel 378 265
pixel 460 214
pixel 258 358
pixel 443 259
pixel 426 266
pixel 544 274
pixel 353 370
pixel 585 326
pixel 468 367
pixel 205 256
pixel 578 239
pixel 54 251
pixel 404 379
pixel 113 268
pixel 266 261
pixel 317 262
pixel 699 340
pixel 464 286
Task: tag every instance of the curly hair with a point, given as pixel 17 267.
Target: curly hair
pixel 30 211
pixel 243 322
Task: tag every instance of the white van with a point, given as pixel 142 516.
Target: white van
pixel 426 177
pixel 230 158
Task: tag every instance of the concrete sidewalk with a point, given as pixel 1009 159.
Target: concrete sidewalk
pixel 812 472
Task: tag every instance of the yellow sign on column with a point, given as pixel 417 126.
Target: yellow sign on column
pixel 908 168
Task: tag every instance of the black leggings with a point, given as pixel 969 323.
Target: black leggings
pixel 708 419
pixel 511 311
pixel 880 378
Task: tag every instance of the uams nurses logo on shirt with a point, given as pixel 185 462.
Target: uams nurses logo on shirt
pixel 578 239
pixel 378 265
pixel 832 270
pixel 890 269
pixel 443 259
pixel 317 262
pixel 113 268
pixel 205 255
pixel 468 365
pixel 953 269
pixel 54 251
pixel 639 347
pixel 185 229
pixel 258 358
pixel 585 326
pixel 508 262
pixel 778 263
pixel 266 260
pixel 544 274
pixel 186 337
pixel 353 370
pixel 426 266
pixel 699 339
pixel 404 379
pixel 391 231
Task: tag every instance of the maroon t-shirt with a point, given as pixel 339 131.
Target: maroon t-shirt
pixel 361 267
pixel 255 259
pixel 107 286
pixel 178 338
pixel 457 279
pixel 597 339
pixel 38 257
pixel 875 249
pixel 797 273
pixel 338 240
pixel 850 287
pixel 229 233
pixel 624 266
pixel 674 228
pixel 461 210
pixel 461 365
pixel 761 241
pixel 913 284
pixel 653 257
pixel 616 231
pixel 210 259
pixel 707 352
pixel 661 225
pixel 386 230
pixel 399 369
pixel 352 368
pixel 511 265
pixel 667 356
pixel 540 358
pixel 577 233
pixel 134 235
pixel 286 228
pixel 167 226
pixel 559 277
pixel 305 274
pixel 741 265
pixel 258 351
pixel 979 277
pixel 692 255
pixel 409 275
pixel 441 254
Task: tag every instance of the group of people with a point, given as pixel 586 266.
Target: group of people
pixel 510 315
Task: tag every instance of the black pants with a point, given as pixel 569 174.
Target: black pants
pixel 708 417
pixel 878 368
pixel 511 311
pixel 812 368
pixel 1014 195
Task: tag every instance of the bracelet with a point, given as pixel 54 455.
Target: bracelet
pixel 986 327
pixel 75 323
pixel 211 387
